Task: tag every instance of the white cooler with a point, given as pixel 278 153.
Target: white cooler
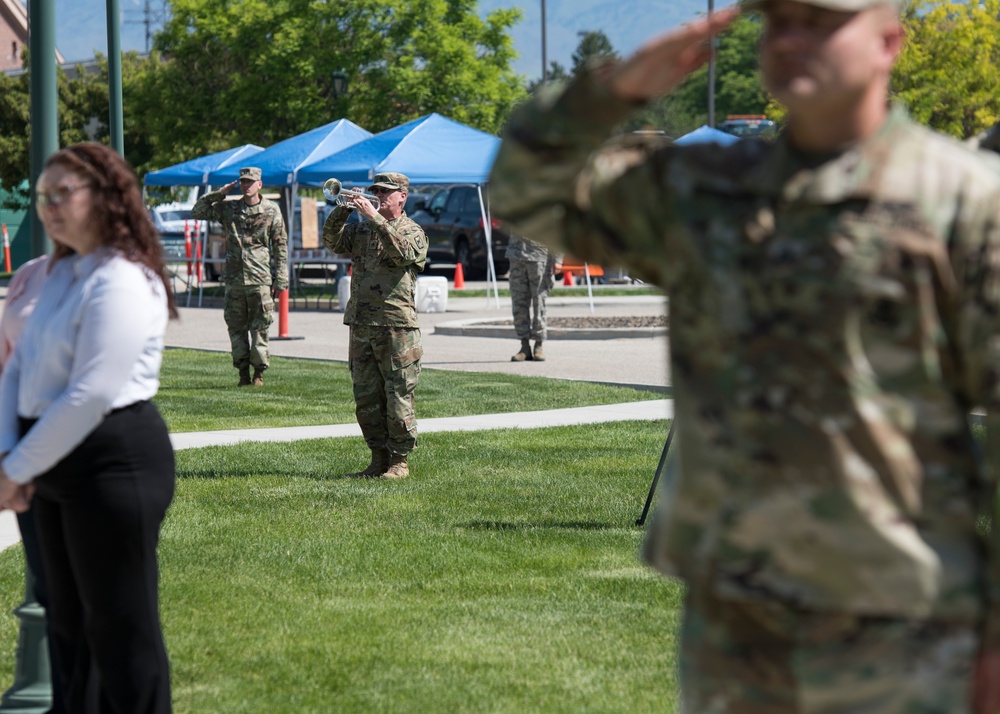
pixel 343 292
pixel 432 293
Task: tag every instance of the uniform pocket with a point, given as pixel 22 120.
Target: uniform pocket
pixel 405 348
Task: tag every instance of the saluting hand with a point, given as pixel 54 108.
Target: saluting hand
pixel 662 64
pixel 228 187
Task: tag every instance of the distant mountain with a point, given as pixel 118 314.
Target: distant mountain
pixel 81 25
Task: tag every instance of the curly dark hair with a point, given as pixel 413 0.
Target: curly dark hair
pixel 119 207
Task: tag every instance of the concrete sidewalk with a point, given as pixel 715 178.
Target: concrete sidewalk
pixel 634 361
pixel 631 411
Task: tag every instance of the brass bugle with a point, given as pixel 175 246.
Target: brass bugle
pixel 334 191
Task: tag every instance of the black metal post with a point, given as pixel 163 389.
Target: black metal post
pixel 656 475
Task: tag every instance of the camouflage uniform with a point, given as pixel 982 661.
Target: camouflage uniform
pixel 530 283
pixel 385 348
pixel 256 261
pixel 833 320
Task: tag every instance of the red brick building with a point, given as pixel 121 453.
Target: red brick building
pixel 14 34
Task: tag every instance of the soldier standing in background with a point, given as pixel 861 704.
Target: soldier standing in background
pixel 256 268
pixel 531 269
pixel 387 251
pixel 834 316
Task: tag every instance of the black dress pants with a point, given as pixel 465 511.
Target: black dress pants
pixel 98 514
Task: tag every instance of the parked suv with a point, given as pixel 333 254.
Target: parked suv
pixel 453 223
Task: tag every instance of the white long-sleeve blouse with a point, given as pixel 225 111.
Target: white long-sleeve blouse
pixel 94 343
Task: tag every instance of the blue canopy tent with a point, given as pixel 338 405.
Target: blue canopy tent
pixel 195 172
pixel 430 150
pixel 279 164
pixel 705 134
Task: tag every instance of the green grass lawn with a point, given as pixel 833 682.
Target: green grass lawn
pixel 198 392
pixel 501 577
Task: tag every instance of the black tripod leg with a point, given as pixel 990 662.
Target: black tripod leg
pixel 656 475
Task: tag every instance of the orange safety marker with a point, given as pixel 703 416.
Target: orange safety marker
pixel 283 313
pixel 568 277
pixel 187 246
pixel 459 277
pixel 6 250
pixel 197 257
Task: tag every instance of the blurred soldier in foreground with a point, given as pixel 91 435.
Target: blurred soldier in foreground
pixel 834 316
pixel 531 268
pixel 387 251
pixel 256 268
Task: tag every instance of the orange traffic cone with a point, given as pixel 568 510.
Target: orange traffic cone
pixel 568 277
pixel 459 277
pixel 6 250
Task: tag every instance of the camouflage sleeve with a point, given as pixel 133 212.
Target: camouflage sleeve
pixel 209 207
pixel 335 237
pixel 404 244
pixel 978 265
pixel 279 253
pixel 558 179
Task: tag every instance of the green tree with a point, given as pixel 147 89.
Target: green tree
pixel 260 70
pixel 83 115
pixel 593 46
pixel 949 70
pixel 556 73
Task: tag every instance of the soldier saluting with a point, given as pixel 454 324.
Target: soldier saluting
pixel 834 315
pixel 256 268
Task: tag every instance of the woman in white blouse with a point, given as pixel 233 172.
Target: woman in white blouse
pixel 81 442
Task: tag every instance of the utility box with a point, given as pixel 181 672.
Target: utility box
pixel 432 293
pixel 343 293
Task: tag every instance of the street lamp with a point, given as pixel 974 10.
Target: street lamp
pixel 339 79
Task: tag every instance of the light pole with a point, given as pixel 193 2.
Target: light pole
pixel 31 691
pixel 711 71
pixel 116 122
pixel 545 61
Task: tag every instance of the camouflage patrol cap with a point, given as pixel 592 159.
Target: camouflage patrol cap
pixel 390 179
pixel 250 173
pixel 841 5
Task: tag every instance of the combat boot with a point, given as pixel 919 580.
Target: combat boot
pixel 258 377
pixel 397 467
pixel 244 377
pixel 378 466
pixel 538 355
pixel 525 353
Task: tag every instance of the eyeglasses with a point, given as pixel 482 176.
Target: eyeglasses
pixel 382 191
pixel 57 196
